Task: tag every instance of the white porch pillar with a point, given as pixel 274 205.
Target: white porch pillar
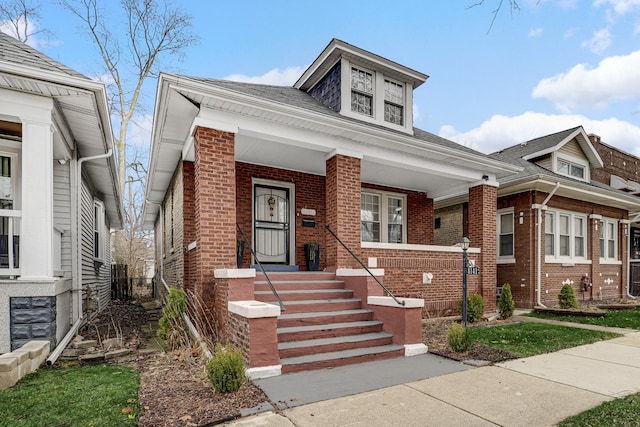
pixel 36 229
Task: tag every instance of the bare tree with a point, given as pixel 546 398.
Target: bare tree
pixel 152 32
pixel 513 7
pixel 18 16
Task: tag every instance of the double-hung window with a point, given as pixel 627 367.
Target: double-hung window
pixel 393 102
pixel 564 236
pixel 505 234
pixel 362 89
pixel 608 240
pixel 382 217
pixel 98 230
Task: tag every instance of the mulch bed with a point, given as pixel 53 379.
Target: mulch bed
pixel 174 389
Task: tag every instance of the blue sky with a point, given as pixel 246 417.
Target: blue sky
pixel 553 65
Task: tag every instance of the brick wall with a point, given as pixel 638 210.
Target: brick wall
pixel 450 231
pixel 310 194
pixel 403 276
pixel 343 209
pixel 482 233
pixel 522 275
pixel 215 228
pixel 615 162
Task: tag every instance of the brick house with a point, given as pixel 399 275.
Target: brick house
pixel 277 164
pixel 59 198
pixel 557 224
pixel 621 170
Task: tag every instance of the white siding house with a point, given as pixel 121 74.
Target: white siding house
pixel 59 197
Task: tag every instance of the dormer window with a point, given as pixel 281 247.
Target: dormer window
pixel 571 166
pixel 570 169
pixel 362 88
pixel 393 102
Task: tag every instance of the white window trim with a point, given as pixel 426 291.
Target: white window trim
pixel 99 228
pixel 608 259
pixel 556 258
pixel 378 98
pixel 384 204
pixel 505 259
pixel 404 100
pixel 571 160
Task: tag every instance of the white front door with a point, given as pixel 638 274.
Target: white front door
pixel 271 218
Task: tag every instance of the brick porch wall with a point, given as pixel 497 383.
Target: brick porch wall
pixel 403 271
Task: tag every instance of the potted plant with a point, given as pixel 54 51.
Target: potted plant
pixel 312 255
pixel 239 252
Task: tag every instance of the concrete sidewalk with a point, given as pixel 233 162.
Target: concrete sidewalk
pixel 535 391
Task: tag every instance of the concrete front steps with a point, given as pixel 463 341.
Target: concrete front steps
pixel 323 325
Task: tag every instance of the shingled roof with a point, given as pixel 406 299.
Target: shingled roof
pixel 16 52
pixel 300 99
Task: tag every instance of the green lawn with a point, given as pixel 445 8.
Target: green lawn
pixel 74 396
pixel 613 318
pixel 623 412
pixel 529 338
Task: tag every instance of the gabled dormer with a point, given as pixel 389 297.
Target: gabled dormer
pixel 363 85
pixel 569 153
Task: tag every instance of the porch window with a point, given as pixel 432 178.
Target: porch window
pixel 608 240
pixel 393 102
pixel 98 230
pixel 362 91
pixel 564 235
pixel 505 234
pixel 378 227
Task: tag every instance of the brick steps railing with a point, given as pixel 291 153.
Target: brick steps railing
pixel 323 325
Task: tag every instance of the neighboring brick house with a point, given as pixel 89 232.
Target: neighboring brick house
pixel 556 224
pixel 621 170
pixel 279 163
pixel 59 198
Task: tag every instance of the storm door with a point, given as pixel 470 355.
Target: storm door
pixel 634 262
pixel 271 230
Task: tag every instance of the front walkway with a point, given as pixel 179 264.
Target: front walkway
pixel 534 391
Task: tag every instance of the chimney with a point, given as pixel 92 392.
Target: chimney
pixel 595 139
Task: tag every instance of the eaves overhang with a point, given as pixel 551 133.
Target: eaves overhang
pixel 79 100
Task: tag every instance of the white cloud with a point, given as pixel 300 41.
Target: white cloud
pixel 600 41
pixel 277 77
pixel 501 131
pixel 35 42
pixel 581 86
pixel 416 113
pixel 535 32
pixel 621 7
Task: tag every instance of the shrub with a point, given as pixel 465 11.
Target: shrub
pixel 458 338
pixel 567 297
pixel 172 312
pixel 475 308
pixel 506 305
pixel 225 369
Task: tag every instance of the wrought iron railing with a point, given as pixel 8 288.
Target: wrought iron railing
pixel 364 266
pixel 266 276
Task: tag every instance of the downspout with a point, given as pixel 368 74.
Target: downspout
pixel 539 246
pixel 76 288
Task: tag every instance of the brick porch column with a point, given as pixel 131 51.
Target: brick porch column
pixel 215 223
pixel 343 208
pixel 482 233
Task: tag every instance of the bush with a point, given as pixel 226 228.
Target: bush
pixel 475 308
pixel 172 312
pixel 567 297
pixel 225 369
pixel 458 338
pixel 506 305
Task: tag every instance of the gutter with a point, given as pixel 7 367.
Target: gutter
pixel 76 287
pixel 540 208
